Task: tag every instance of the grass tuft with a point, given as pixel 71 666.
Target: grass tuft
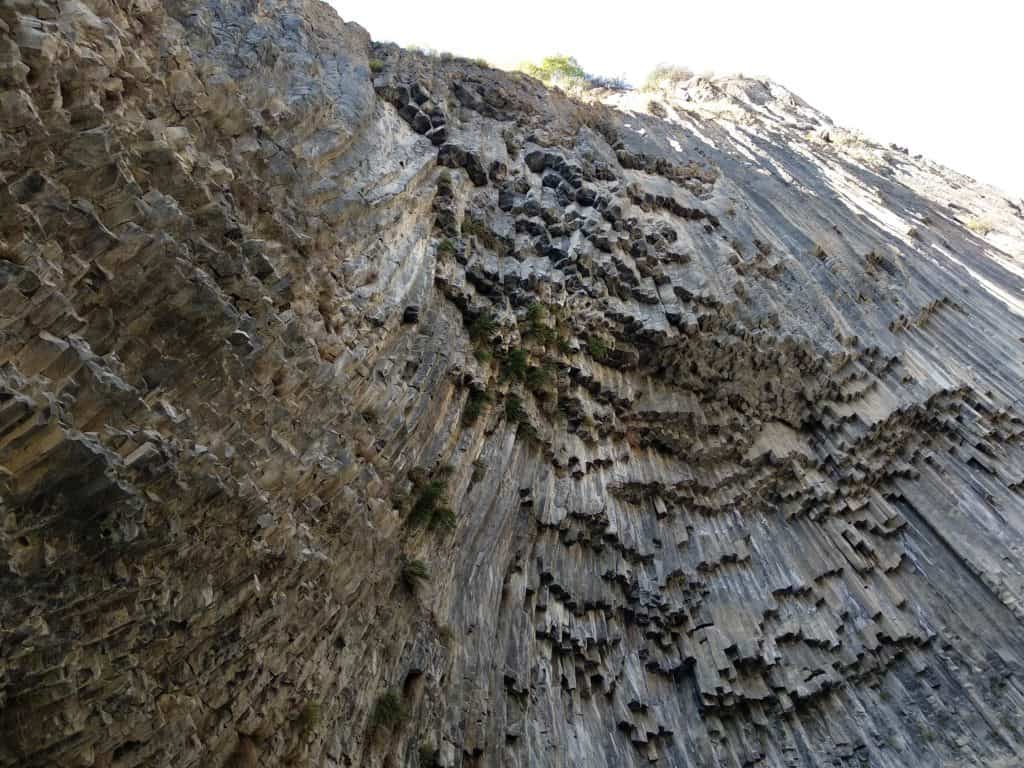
pixel 429 757
pixel 514 364
pixel 309 717
pixel 666 76
pixel 388 711
pixel 482 329
pixel 476 403
pixel 538 378
pixel 431 506
pixel 514 411
pixel 980 225
pixel 565 72
pixel 598 348
pixel 412 573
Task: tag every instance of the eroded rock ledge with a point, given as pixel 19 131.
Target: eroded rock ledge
pixel 359 407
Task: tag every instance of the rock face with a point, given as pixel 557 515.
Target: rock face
pixel 363 408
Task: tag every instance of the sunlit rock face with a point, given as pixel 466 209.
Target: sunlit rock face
pixel 360 407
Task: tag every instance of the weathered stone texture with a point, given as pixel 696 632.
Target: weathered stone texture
pixel 679 427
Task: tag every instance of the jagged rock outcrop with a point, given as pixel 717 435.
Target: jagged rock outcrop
pixel 360 407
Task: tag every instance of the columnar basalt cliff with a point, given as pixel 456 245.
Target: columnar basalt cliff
pixel 360 407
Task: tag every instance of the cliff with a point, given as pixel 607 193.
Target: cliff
pixel 360 407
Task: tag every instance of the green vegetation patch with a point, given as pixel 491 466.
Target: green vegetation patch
pixel 412 573
pixel 666 76
pixel 565 72
pixel 388 711
pixel 430 507
pixel 476 403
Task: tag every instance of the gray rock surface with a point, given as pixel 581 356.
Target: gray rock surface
pixel 365 408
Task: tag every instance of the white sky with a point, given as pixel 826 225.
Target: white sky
pixel 942 78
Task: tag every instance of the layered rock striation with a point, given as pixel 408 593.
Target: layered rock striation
pixel 362 407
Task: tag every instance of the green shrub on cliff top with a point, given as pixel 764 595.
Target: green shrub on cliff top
pixel 666 76
pixel 561 70
pixel 565 72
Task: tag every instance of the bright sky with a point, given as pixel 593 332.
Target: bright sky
pixel 942 78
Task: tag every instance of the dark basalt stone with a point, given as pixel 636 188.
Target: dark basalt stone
pixel 586 196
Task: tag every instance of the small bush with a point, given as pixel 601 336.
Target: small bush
pixel 527 430
pixel 387 712
pixel 482 328
pixel 443 518
pixel 560 70
pixel 666 76
pixel 565 72
pixel 430 508
pixel 412 573
pixel 475 227
pixel 475 405
pixel 479 468
pixel 431 53
pixel 445 186
pixel 545 336
pixel 429 757
pixel 514 364
pixel 471 226
pixel 446 246
pixel 537 325
pixel 598 348
pixel 980 225
pixel 309 717
pixel 536 316
pixel 514 408
pixel 376 66
pixel 516 414
pixel 538 378
pixel 429 496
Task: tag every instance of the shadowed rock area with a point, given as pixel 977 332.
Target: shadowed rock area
pixel 360 407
